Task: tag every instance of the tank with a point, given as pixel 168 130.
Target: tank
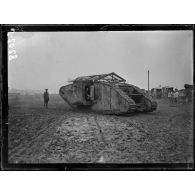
pixel 106 93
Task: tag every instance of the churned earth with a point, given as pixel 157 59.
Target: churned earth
pixel 60 134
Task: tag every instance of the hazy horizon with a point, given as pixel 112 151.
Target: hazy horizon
pixel 50 59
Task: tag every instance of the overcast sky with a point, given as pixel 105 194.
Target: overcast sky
pixel 49 59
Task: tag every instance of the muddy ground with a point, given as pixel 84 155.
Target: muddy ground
pixel 62 135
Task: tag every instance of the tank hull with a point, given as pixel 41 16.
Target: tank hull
pixel 107 98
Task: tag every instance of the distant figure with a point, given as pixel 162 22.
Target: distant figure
pixel 176 96
pixel 170 96
pixel 189 95
pixel 46 98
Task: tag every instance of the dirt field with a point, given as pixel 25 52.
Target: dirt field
pixel 62 135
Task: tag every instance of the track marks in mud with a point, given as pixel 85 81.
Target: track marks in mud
pixel 68 136
pixel 123 139
pixel 74 137
pixel 80 143
pixel 91 138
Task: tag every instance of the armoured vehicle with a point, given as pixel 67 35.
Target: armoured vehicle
pixel 107 93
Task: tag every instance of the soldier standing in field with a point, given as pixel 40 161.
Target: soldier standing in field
pixel 46 98
pixel 176 96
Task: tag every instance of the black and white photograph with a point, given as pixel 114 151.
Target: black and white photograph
pixel 100 97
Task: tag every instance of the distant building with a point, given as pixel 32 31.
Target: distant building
pixel 156 92
pixel 166 90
